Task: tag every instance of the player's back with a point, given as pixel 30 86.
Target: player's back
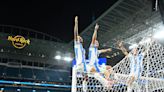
pixel 79 52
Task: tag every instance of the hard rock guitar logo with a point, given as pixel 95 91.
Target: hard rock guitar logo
pixel 18 41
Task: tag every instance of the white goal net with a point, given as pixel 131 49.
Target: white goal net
pixel 151 79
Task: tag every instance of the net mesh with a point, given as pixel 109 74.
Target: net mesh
pixel 151 80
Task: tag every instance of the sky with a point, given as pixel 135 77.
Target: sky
pixel 52 17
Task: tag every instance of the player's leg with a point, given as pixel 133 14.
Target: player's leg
pixel 97 75
pixel 108 71
pixel 134 76
pixel 137 81
pixel 130 82
pixel 104 76
pixel 110 76
pixel 85 82
pixel 93 70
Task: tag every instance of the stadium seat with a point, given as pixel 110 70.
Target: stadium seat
pixel 26 73
pixel 40 74
pixel 2 70
pixel 12 72
pixel 52 75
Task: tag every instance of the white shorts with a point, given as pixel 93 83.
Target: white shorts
pixel 89 67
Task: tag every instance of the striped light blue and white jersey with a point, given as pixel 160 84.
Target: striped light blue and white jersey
pixel 79 52
pixel 93 57
pixel 136 64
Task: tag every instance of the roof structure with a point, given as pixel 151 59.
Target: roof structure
pixel 123 20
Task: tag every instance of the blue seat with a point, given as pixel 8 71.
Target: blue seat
pixel 10 89
pixel 12 72
pixel 40 74
pixel 26 73
pixel 26 90
pixel 57 76
pixel 64 76
pixel 52 76
pixel 2 70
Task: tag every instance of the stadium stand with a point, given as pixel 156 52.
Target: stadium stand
pixel 32 68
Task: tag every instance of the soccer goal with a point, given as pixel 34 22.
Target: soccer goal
pixel 151 80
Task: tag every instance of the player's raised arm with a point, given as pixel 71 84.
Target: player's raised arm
pixel 122 48
pixel 104 50
pixel 76 28
pixel 94 37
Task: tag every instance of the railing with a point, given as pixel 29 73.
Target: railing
pixel 26 32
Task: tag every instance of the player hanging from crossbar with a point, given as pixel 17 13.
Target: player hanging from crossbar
pixel 136 58
pixel 78 47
